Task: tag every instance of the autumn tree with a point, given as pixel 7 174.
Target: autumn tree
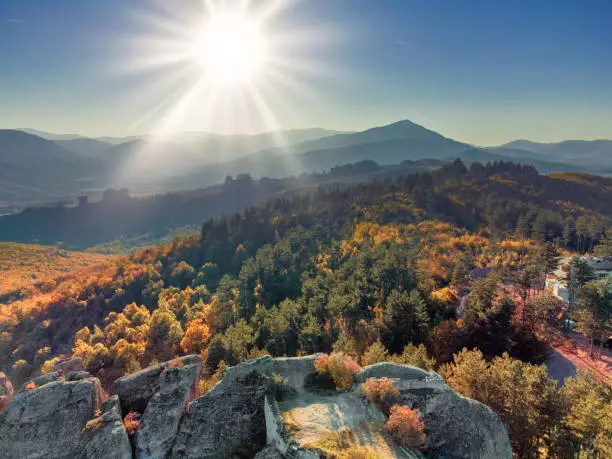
pixel 196 337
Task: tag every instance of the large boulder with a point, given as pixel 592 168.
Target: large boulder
pixel 227 422
pixel 136 390
pixel 46 421
pixel 160 421
pixel 455 427
pixel 105 436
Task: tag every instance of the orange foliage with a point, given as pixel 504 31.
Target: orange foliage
pixel 341 368
pixel 381 392
pixel 405 427
pixel 36 266
pixel 31 385
pixel 131 422
pixel 196 337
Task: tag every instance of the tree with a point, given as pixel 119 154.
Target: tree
pixel 196 337
pixel 590 406
pixel 238 340
pixel 165 334
pixel 596 310
pixel 182 274
pixel 376 353
pixel 416 356
pixel 523 395
pixel 405 319
pixel 579 272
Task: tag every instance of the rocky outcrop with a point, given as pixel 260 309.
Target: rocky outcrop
pixel 160 421
pixel 456 427
pixel 136 390
pixel 227 422
pixel 105 436
pixel 67 366
pixel 241 417
pixel 46 421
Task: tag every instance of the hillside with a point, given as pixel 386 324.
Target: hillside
pixel 593 155
pixel 25 265
pixel 120 216
pixel 375 272
pixel 186 160
pixel 38 170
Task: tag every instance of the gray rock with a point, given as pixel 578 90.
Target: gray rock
pixel 160 421
pixel 43 379
pixel 455 427
pixel 233 420
pixel 228 421
pixel 393 370
pixel 458 428
pixel 105 436
pixel 269 452
pixel 46 421
pixel 69 365
pixel 136 390
pixel 78 375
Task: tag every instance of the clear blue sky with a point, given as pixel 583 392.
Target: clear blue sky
pixel 481 71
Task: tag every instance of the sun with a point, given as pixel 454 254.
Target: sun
pixel 222 66
pixel 231 48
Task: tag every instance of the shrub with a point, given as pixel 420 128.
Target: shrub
pixel 4 401
pixel 339 367
pixel 131 422
pixel 93 424
pixel 381 392
pixel 405 427
pixel 376 353
pixel 176 363
pixel 415 356
pixel 29 386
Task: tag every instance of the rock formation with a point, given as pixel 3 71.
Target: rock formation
pixel 265 408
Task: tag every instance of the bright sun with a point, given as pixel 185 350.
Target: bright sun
pixel 232 48
pixel 225 66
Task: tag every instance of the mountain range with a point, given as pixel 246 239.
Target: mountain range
pixel 40 168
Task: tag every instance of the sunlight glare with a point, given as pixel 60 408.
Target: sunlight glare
pixel 232 48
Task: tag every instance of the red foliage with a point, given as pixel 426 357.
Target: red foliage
pixel 405 427
pixel 131 422
pixel 381 392
pixel 340 367
pixel 4 400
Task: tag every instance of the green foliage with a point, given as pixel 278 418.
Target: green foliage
pixel 405 319
pixel 538 415
pixel 369 273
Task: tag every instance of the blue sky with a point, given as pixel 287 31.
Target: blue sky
pixel 484 72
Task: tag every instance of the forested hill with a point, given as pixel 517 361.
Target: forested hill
pixel 568 207
pixel 372 272
pixel 135 219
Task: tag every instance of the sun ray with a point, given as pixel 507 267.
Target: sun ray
pixel 218 66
